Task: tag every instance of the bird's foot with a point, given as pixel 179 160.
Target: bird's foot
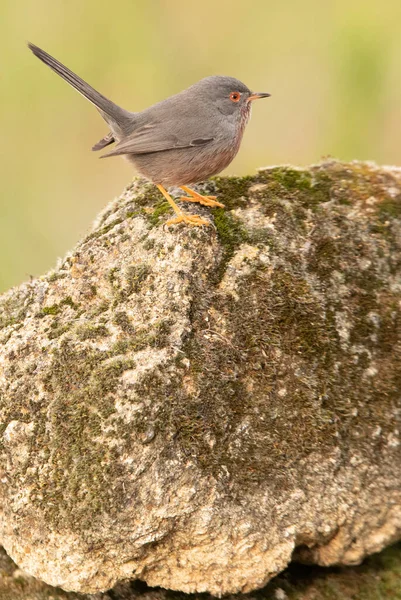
pixel 195 197
pixel 205 200
pixel 194 220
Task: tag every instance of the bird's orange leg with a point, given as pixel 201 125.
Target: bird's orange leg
pixel 195 197
pixel 181 217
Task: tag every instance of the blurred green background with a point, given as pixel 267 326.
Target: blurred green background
pixel 333 68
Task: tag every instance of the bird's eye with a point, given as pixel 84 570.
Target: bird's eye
pixel 235 96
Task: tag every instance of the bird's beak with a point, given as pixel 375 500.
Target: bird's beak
pixel 257 95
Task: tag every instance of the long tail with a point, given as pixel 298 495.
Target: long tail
pixel 112 113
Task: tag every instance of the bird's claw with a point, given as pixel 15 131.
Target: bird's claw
pixel 193 220
pixel 205 200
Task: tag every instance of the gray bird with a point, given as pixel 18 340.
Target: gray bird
pixel 179 141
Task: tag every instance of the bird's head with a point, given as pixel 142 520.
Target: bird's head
pixel 229 95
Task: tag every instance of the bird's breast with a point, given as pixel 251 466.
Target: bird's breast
pixel 183 166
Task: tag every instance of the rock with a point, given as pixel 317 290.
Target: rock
pixel 378 577
pixel 17 585
pixel 196 407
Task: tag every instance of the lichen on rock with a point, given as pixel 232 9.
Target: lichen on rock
pixel 196 407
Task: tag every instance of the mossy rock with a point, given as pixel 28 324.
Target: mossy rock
pixel 196 407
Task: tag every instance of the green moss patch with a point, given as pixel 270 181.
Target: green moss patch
pixel 232 234
pixel 91 332
pixel 161 208
pixel 55 309
pixel 136 340
pixel 232 191
pixel 77 489
pixel 391 207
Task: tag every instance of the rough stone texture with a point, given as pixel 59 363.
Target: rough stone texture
pixel 195 407
pixel 377 579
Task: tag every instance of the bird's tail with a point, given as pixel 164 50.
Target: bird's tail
pixel 112 113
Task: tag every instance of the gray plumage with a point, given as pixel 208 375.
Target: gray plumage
pixel 181 140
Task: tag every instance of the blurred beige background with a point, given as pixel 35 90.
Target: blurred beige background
pixel 333 68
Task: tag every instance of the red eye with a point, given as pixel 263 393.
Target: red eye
pixel 235 96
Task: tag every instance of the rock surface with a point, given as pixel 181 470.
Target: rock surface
pixel 195 407
pixel 377 578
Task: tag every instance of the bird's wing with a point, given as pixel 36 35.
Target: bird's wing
pixel 105 141
pixel 150 138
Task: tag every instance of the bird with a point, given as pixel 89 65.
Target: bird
pixel 179 141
